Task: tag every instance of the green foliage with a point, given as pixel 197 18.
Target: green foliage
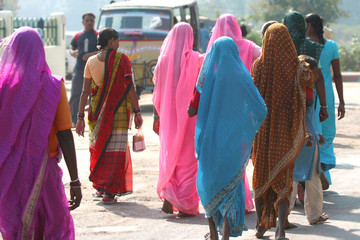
pixel 350 56
pixel 277 9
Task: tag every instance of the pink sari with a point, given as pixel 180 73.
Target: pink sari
pixel 227 25
pixel 175 77
pixel 33 203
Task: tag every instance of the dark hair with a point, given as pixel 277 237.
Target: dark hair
pixel 265 26
pixel 88 14
pixel 317 24
pixel 243 29
pixel 105 35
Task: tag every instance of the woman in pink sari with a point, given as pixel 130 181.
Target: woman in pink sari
pixel 35 121
pixel 175 77
pixel 227 25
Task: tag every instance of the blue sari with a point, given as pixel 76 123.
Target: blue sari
pixel 230 113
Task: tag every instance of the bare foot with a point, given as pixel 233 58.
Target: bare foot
pixel 323 217
pixel 289 225
pixel 182 214
pixel 279 234
pixel 167 207
pixel 260 231
pixel 208 236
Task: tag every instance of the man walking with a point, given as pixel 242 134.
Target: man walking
pixel 83 46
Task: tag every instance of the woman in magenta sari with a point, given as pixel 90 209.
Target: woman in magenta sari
pixel 174 79
pixel 227 25
pixel 35 121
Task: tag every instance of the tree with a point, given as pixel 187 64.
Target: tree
pixel 277 9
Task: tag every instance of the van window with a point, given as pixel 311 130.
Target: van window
pixel 141 19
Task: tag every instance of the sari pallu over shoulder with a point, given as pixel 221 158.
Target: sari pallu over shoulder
pixel 281 79
pixel 108 98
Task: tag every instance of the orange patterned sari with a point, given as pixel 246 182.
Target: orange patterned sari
pixel 281 80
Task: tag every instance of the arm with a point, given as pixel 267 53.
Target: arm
pixel 74 51
pixel 66 143
pixel 156 123
pixel 194 104
pixel 87 55
pixel 133 97
pixel 320 87
pixel 80 125
pixel 339 87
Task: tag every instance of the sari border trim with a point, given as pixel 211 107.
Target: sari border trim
pixel 31 205
pixel 212 206
pixel 294 151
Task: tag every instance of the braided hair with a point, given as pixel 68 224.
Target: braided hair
pixel 105 35
pixel 317 23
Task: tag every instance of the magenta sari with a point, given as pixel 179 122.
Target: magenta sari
pixel 33 204
pixel 227 25
pixel 174 79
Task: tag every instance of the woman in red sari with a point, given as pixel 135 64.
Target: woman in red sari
pixel 108 75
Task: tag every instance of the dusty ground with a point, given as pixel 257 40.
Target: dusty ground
pixel 138 216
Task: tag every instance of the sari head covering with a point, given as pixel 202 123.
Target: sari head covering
pixel 174 79
pixel 281 80
pixel 227 25
pixel 29 96
pixel 295 22
pixel 231 111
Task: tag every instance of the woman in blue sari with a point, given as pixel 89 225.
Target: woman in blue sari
pixel 230 112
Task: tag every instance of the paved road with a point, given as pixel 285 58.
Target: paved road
pixel 138 216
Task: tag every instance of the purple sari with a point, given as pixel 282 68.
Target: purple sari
pixel 33 203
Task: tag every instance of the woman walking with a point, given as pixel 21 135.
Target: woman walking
pixel 281 79
pixel 35 122
pixel 109 78
pixel 174 79
pixel 230 112
pixel 329 58
pixel 227 25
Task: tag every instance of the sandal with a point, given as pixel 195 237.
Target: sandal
pixel 108 199
pixel 323 217
pixel 98 194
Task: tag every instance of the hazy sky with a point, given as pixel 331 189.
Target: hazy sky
pixel 73 9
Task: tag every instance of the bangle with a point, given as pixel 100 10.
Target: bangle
pixel 81 116
pixel 74 180
pixel 156 117
pixel 137 111
pixel 75 184
pixel 323 107
pixel 342 104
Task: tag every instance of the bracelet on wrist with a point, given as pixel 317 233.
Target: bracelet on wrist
pixel 156 117
pixel 81 116
pixel 75 183
pixel 342 104
pixel 323 107
pixel 137 111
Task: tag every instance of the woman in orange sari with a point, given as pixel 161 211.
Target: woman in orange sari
pixel 108 75
pixel 281 80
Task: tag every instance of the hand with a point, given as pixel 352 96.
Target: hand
pixel 322 139
pixel 76 196
pixel 74 53
pixel 323 115
pixel 156 126
pixel 80 127
pixel 192 111
pixel 341 111
pixel 138 121
pixel 309 139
